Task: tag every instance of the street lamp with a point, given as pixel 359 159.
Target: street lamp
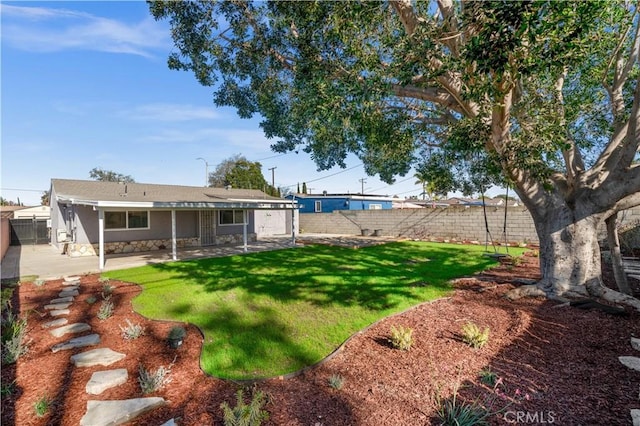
pixel 206 171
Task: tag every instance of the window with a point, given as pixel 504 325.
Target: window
pixel 318 207
pixel 231 217
pixel 375 206
pixel 126 220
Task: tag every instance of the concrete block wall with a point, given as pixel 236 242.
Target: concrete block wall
pixel 456 222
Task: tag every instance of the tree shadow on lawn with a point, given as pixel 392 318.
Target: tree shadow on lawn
pixel 378 278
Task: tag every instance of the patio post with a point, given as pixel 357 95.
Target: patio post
pixel 174 248
pixel 101 238
pixel 244 229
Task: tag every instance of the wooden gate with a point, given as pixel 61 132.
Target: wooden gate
pixel 29 231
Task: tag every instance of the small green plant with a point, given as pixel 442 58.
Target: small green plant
pixel 14 338
pixel 517 260
pixel 104 280
pixel 132 331
pixel 453 412
pixel 41 406
pixel 152 381
pixel 6 296
pixel 176 333
pixel 107 290
pixel 8 389
pixel 91 300
pixel 39 282
pixel 243 414
pixel 473 336
pixel 401 337
pixel 488 377
pixel 106 310
pixel 336 381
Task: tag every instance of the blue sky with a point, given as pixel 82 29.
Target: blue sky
pixel 85 84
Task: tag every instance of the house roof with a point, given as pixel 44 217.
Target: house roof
pixel 145 195
pixel 7 211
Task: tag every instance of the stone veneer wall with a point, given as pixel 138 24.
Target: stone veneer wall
pixel 123 247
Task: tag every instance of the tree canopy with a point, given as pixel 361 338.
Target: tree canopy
pixel 238 172
pixel 543 95
pixel 109 176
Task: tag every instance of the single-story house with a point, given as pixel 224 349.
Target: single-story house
pixel 95 217
pixel 37 212
pixel 326 203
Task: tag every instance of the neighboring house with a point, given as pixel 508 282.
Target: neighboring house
pixel 327 203
pixel 7 212
pixel 89 217
pixel 38 212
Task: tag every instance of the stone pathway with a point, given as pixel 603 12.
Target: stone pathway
pixel 633 362
pixel 98 412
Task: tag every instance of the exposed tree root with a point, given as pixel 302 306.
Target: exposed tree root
pixel 575 293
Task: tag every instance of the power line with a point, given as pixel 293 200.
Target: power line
pixel 327 176
pixel 22 189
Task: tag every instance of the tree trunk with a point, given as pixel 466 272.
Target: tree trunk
pixel 569 251
pixel 616 256
pixel 570 257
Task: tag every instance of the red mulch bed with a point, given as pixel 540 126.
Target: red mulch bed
pixel 558 364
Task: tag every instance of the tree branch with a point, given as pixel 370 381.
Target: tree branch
pixel 407 15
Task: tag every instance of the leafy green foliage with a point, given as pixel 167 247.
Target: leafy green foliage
pixel 132 331
pixel 473 336
pixel 238 172
pixel 244 414
pixel 152 381
pixel 336 381
pixel 41 406
pixel 109 176
pixel 401 337
pixel 106 310
pixel 14 338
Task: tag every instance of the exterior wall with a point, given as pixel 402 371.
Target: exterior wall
pixel 40 212
pixel 5 236
pixel 453 223
pixel 272 222
pixel 330 204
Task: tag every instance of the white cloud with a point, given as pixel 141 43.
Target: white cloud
pixel 51 30
pixel 171 112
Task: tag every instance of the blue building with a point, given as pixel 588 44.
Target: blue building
pixel 326 203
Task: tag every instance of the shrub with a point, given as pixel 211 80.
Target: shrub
pixel 6 296
pixel 473 336
pixel 176 333
pixel 454 412
pixel 8 389
pixel 41 406
pixel 14 340
pixel 91 300
pixel 488 377
pixel 243 414
pixel 106 310
pixel 336 381
pixel 401 337
pixel 152 381
pixel 107 290
pixel 132 331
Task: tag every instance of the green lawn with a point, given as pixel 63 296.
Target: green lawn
pixel 270 313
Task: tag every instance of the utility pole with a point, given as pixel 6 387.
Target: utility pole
pixel 362 181
pixel 273 177
pixel 206 171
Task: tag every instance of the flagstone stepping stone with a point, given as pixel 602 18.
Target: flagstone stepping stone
pixel 107 413
pixel 77 342
pixel 77 327
pixel 67 293
pixel 102 380
pixel 58 312
pixel 55 323
pixel 57 306
pixel 71 283
pixel 635 417
pixel 637 277
pixel 100 356
pixel 62 300
pixel 633 362
pixel 170 422
pixel 635 343
pixel 71 278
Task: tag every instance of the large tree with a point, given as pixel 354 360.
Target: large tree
pixel 238 172
pixel 543 94
pixel 109 176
